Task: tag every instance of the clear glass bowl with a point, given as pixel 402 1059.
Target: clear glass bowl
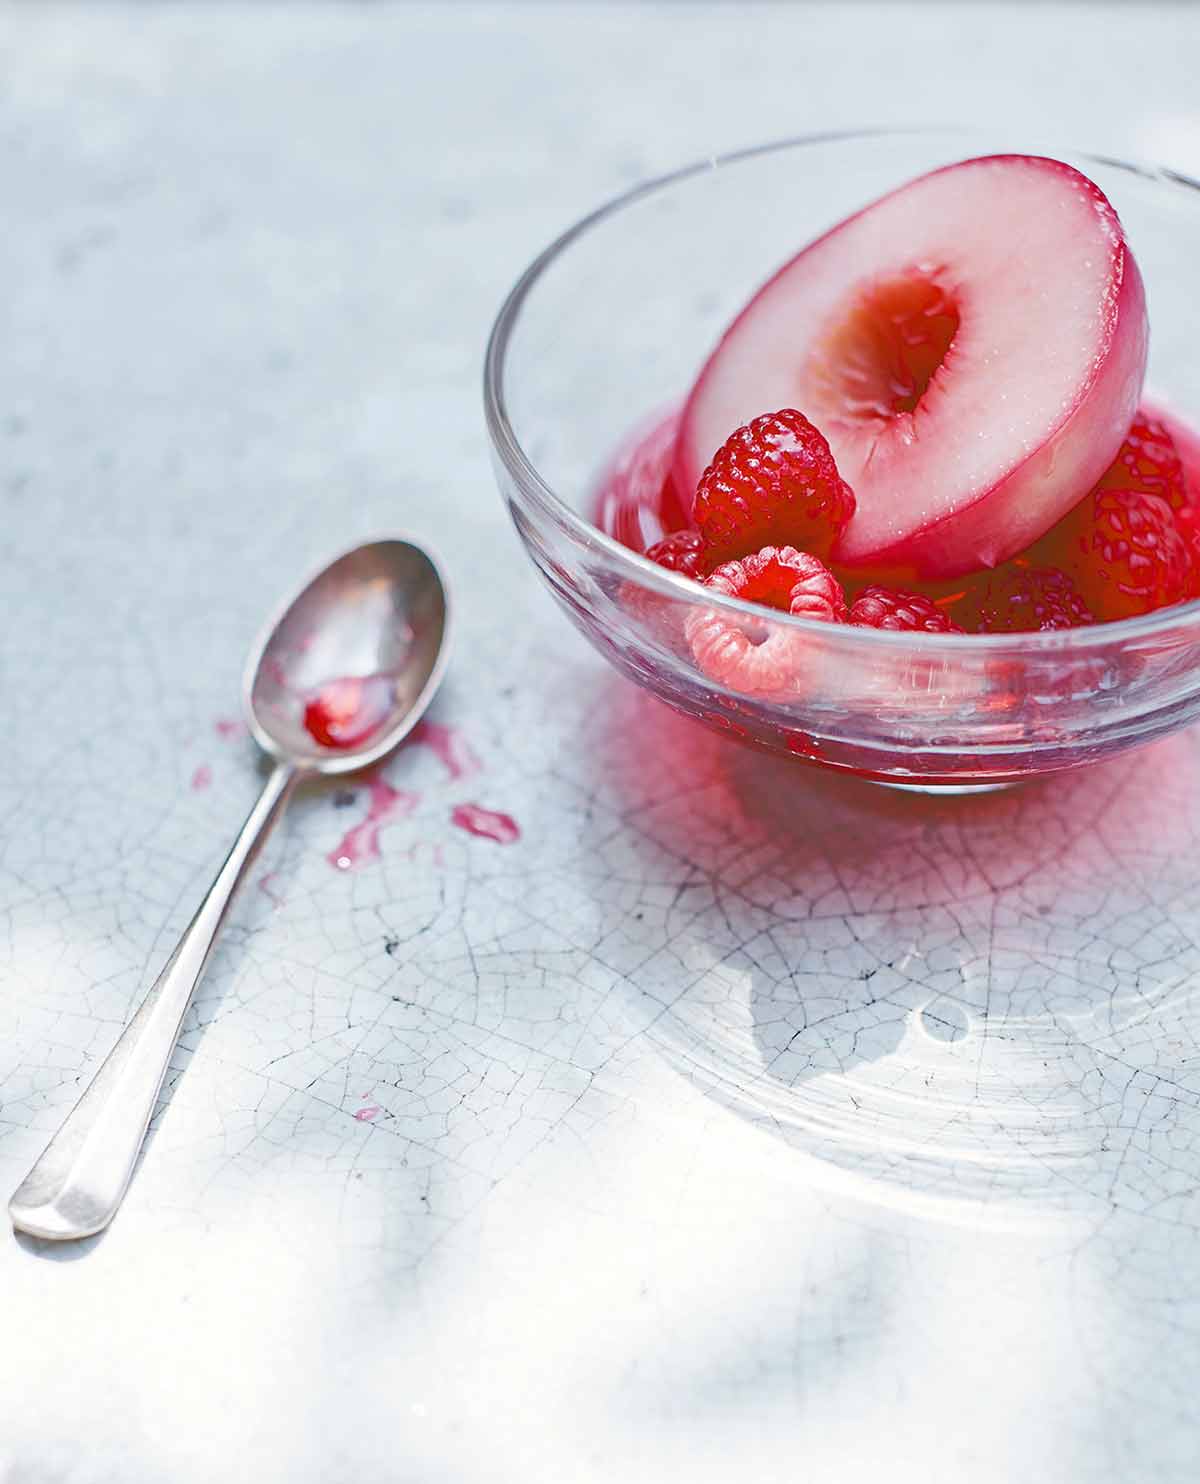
pixel 613 321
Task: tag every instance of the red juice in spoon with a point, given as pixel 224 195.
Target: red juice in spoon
pixel 345 712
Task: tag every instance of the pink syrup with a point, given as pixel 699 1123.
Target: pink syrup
pixel 637 498
pixel 202 778
pixel 450 747
pixel 361 843
pixel 346 711
pixel 229 727
pixel 488 824
pixel 366 1115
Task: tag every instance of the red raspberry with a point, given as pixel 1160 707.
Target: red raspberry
pixel 882 608
pixel 1148 461
pixel 681 551
pixel 1128 551
pixel 752 657
pixel 1018 598
pixel 772 482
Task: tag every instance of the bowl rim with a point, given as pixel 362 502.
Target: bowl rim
pixel 649 574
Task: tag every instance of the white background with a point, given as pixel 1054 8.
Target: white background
pixel 249 259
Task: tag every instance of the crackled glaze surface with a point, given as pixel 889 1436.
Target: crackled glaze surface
pixel 706 1118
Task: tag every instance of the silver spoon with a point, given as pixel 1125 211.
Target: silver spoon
pixel 379 611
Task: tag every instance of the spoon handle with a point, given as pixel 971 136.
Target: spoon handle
pixel 77 1185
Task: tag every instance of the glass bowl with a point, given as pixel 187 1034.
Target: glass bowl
pixel 610 325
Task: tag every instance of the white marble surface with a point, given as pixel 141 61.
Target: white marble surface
pixel 730 1123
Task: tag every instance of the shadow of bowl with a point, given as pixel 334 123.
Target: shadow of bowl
pixel 985 998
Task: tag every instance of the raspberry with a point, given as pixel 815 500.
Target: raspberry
pixel 882 608
pixel 1018 598
pixel 782 577
pixel 1148 461
pixel 1131 544
pixel 681 551
pixel 772 482
pixel 1128 551
pixel 753 657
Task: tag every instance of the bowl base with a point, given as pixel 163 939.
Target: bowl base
pixel 945 788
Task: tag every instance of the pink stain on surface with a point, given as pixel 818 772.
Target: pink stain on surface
pixel 361 844
pixel 365 1115
pixel 488 824
pixel 452 749
pixel 267 886
pixel 202 778
pixel 229 727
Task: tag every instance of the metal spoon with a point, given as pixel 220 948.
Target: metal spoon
pixel 381 609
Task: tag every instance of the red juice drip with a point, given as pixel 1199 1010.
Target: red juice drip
pixel 361 844
pixel 346 711
pixel 267 886
pixel 365 1115
pixel 202 778
pixel 229 727
pixel 450 746
pixel 488 824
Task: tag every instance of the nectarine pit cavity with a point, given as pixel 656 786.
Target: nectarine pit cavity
pixel 886 348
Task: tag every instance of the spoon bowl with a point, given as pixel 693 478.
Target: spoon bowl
pixel 378 611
